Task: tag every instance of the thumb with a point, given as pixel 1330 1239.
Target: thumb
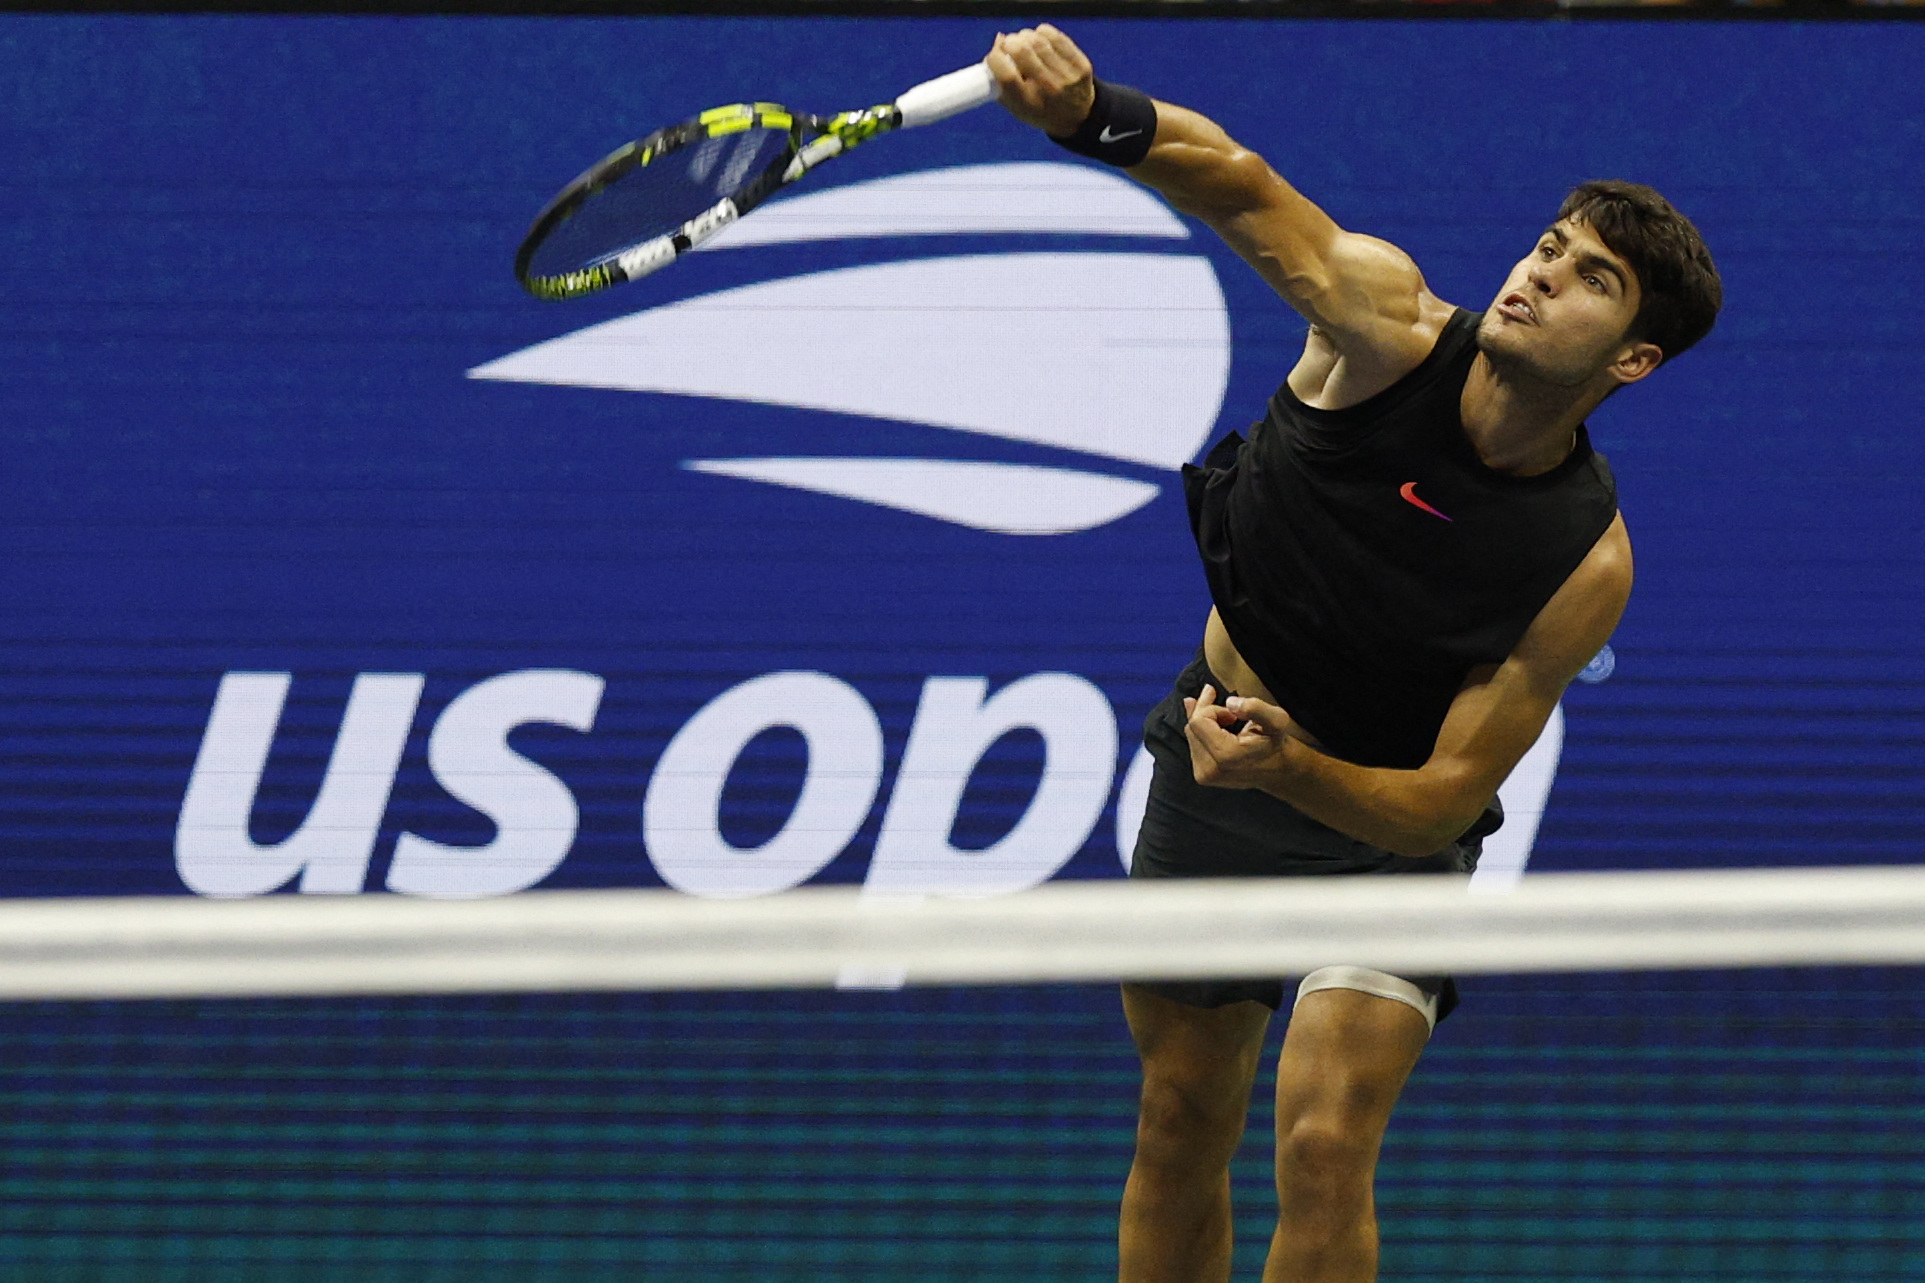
pixel 1267 718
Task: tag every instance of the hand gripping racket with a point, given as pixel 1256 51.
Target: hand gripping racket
pixel 642 207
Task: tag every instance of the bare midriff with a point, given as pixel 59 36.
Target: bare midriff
pixel 1221 654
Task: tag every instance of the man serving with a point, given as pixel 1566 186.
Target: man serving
pixel 1410 558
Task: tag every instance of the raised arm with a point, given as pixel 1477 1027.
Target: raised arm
pixel 1363 295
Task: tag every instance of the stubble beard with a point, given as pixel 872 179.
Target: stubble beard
pixel 1509 361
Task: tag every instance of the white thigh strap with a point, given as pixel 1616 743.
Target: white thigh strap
pixel 1365 980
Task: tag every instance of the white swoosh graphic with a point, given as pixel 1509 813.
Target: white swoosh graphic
pixel 1524 793
pixel 1004 498
pixel 1120 355
pixel 980 199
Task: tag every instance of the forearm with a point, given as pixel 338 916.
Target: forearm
pixel 1047 82
pixel 1199 169
pixel 1413 813
pixel 1203 171
pixel 1366 295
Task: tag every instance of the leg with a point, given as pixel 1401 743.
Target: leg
pixel 1345 1058
pixel 1198 1067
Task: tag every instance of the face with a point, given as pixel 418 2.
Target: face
pixel 1563 314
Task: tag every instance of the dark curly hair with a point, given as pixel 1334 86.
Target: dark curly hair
pixel 1681 292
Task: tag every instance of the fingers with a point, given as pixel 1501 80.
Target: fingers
pixel 1236 744
pixel 1048 55
pixel 1010 89
pixel 1001 65
pixel 1064 48
pixel 1227 714
pixel 1215 714
pixel 1207 746
pixel 1267 718
pixel 1209 733
pixel 1043 78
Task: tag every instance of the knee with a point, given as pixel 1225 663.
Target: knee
pixel 1324 1168
pixel 1199 1118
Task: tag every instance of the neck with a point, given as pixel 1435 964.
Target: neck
pixel 1518 424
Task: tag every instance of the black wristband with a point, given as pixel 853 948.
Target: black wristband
pixel 1120 127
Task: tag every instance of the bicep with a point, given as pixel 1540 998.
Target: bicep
pixel 1357 289
pixel 1365 294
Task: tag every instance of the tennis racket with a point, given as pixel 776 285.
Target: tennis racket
pixel 644 206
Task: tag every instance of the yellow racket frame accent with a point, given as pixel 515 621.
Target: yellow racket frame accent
pixel 812 140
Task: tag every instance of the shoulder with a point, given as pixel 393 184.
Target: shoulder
pixel 1606 571
pixel 1339 370
pixel 1392 317
pixel 1580 617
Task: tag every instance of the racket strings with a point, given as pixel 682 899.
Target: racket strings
pixel 656 198
pixel 645 206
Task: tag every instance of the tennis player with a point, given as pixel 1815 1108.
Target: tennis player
pixel 1410 557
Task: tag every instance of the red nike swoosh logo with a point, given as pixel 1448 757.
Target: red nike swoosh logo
pixel 1409 491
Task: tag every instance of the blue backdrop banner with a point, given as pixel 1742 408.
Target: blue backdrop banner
pixel 851 548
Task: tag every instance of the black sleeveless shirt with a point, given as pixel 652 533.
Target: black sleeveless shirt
pixel 1364 560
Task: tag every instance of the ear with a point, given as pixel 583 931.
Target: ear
pixel 1635 362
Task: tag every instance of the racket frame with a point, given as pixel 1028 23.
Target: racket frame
pixel 812 140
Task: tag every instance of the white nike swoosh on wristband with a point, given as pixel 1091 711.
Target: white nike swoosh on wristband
pixel 1107 137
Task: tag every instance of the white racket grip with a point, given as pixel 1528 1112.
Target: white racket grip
pixel 946 96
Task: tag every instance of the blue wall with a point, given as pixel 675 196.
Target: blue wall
pixel 248 263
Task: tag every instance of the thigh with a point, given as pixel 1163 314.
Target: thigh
pixel 1346 1057
pixel 1207 1054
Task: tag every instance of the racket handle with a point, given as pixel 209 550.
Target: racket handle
pixel 945 96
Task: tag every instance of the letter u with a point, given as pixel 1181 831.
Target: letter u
pixel 212 849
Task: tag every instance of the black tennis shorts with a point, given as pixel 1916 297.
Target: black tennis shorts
pixel 1190 831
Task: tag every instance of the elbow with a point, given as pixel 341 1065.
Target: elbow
pixel 1440 821
pixel 1415 843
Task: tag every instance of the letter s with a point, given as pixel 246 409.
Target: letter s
pixel 212 849
pixel 534 813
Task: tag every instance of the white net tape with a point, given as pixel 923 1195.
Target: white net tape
pixel 1066 931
